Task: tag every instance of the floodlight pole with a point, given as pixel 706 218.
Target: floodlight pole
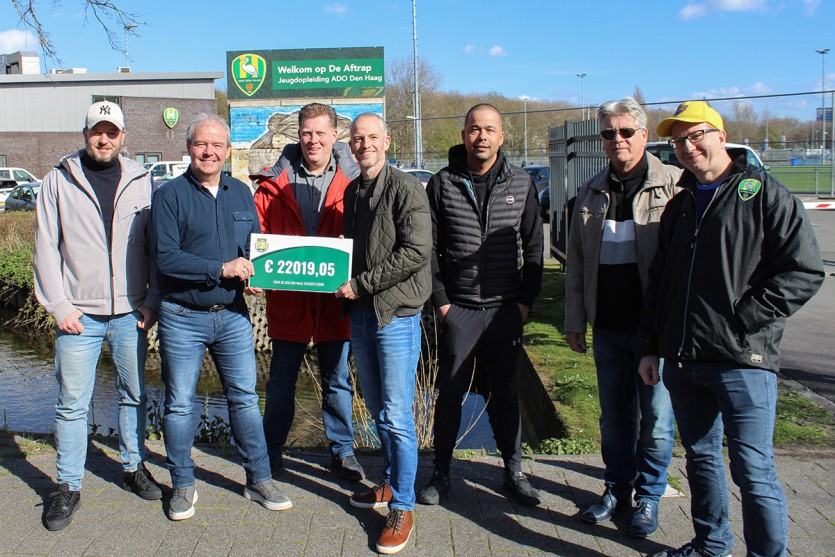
pixel 823 53
pixel 418 127
pixel 582 77
pixel 128 28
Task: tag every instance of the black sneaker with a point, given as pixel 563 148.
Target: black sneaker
pixel 348 467
pixel 64 504
pixel 521 489
pixel 142 483
pixel 436 489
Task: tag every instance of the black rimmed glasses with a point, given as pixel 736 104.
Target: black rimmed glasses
pixel 692 137
pixel 625 133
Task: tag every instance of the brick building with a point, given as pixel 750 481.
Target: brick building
pixel 41 116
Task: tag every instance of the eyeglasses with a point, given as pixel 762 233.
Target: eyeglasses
pixel 693 137
pixel 625 133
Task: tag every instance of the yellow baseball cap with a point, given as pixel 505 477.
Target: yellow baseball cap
pixel 692 112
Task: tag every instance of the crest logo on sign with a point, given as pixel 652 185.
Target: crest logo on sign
pixel 748 189
pixel 261 245
pixel 249 71
pixel 171 116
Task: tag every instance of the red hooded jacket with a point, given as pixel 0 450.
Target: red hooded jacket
pixel 298 316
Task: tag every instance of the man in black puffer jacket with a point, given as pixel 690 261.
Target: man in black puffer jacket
pixel 487 271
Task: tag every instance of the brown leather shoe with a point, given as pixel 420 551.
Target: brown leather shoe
pixel 397 532
pixel 375 498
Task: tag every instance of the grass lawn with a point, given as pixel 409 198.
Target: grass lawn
pixel 802 179
pixel 571 380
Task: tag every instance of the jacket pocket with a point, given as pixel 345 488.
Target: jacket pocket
pixel 243 226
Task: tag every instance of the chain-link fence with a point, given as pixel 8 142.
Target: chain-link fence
pixel 787 131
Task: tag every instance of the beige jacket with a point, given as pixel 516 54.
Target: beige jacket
pixel 586 233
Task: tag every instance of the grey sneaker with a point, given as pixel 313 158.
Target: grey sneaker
pixel 268 495
pixel 182 503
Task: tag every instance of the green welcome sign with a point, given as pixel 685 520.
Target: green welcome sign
pixel 306 73
pixel 300 263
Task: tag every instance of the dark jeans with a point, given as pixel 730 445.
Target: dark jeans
pixel 636 420
pixel 491 340
pixel 337 395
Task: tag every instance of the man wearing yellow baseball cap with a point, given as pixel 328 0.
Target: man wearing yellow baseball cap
pixel 737 256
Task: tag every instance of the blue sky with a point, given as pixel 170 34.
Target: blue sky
pixel 671 49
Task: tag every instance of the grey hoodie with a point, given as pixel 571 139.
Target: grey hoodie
pixel 73 268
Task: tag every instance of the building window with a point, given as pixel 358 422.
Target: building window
pixel 101 98
pixel 2 160
pixel 148 157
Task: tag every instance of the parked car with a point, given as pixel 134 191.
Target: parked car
pixel 420 174
pixel 541 176
pixel 664 151
pixel 545 204
pixel 6 186
pixel 160 169
pixel 23 197
pixel 19 175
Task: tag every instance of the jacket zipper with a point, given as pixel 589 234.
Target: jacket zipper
pixel 694 241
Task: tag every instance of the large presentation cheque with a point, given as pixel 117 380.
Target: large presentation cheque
pixel 303 263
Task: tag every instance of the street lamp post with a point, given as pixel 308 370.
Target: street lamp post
pixel 128 28
pixel 582 77
pixel 823 52
pixel 525 100
pixel 418 126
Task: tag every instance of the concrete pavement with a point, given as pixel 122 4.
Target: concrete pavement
pixel 477 521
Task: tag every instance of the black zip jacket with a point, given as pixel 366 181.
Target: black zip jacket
pixel 484 260
pixel 720 291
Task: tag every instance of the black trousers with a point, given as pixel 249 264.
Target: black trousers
pixel 488 342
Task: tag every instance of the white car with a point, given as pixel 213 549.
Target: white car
pixel 664 151
pixel 419 173
pixel 10 177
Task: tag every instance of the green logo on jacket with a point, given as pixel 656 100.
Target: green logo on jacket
pixel 748 189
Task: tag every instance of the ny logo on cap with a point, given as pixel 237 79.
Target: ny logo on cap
pixel 103 109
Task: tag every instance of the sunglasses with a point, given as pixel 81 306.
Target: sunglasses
pixel 625 133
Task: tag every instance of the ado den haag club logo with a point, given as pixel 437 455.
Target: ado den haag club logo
pixel 748 189
pixel 249 71
pixel 170 116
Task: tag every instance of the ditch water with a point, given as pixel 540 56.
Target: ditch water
pixel 28 392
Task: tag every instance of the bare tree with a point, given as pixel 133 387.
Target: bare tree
pixel 110 16
pixel 639 96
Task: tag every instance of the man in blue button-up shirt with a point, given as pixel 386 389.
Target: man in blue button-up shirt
pixel 201 223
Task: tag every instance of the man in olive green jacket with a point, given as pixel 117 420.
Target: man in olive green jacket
pixel 387 215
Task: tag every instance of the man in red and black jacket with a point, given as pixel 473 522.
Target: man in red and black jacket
pixel 302 195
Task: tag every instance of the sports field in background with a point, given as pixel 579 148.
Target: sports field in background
pixel 805 179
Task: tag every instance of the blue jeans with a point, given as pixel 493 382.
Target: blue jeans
pixel 337 394
pixel 76 357
pixel 184 336
pixel 636 420
pixel 386 367
pixel 708 398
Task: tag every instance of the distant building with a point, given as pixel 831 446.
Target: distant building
pixel 41 116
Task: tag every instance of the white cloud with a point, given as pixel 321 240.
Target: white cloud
pixel 696 10
pixel 497 50
pixel 469 49
pixel 758 88
pixel 810 6
pixel 15 39
pixel 340 10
